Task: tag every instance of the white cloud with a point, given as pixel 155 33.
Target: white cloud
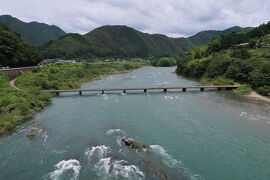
pixel 170 17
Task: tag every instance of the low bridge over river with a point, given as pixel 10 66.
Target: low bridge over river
pixel 146 89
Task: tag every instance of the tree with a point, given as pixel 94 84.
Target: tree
pixel 241 53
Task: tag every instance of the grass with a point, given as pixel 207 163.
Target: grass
pixel 16 107
pixel 244 90
pixel 217 81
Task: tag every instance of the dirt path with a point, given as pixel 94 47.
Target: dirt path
pixel 12 83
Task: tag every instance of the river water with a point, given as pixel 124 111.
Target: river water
pixel 192 135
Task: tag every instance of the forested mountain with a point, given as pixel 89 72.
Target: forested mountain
pixel 33 32
pixel 14 51
pixel 123 41
pixel 206 36
pixel 242 57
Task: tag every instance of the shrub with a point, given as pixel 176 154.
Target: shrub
pixel 218 65
pixel 164 62
pixel 264 90
pixel 244 90
pixel 241 53
pixel 217 81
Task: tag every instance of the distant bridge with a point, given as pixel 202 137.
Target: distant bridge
pixel 146 89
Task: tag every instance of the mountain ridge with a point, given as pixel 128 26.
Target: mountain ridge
pixel 34 32
pixel 123 41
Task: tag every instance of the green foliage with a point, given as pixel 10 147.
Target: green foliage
pixel 217 81
pixel 241 53
pixel 14 51
pixel 218 66
pixel 18 106
pixel 249 35
pixel 239 70
pixel 196 67
pixel 244 90
pixel 264 90
pixel 34 32
pixel 66 76
pixel 164 62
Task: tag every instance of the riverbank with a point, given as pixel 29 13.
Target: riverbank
pixel 256 96
pixel 245 90
pixel 80 136
pixel 17 106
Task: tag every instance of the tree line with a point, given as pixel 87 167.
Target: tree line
pixel 221 63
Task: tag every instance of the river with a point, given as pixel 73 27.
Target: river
pixel 192 135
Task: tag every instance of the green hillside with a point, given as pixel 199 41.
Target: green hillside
pixel 33 32
pixel 14 51
pixel 239 57
pixel 123 41
pixel 204 37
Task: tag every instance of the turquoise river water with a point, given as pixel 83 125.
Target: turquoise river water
pixel 211 135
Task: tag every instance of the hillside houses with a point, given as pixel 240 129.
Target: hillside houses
pixel 57 61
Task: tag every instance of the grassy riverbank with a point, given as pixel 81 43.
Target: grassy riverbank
pixel 18 106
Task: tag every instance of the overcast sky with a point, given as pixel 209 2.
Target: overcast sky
pixel 171 17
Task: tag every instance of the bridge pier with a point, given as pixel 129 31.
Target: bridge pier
pixel 145 89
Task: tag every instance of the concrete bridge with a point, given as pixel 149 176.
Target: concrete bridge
pixel 146 89
pixel 12 73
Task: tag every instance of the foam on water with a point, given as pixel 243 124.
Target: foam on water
pixel 167 158
pixel 113 131
pixel 108 169
pixel 163 83
pixel 173 163
pixel 171 97
pixel 100 151
pixel 106 97
pixel 66 167
pixel 253 117
pixel 57 151
pixel 44 135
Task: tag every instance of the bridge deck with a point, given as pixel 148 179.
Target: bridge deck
pixel 230 87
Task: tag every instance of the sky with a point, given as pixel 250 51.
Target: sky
pixel 175 18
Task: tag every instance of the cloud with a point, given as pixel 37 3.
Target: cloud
pixel 170 17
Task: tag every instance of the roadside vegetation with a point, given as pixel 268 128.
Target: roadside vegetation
pixel 18 106
pixel 224 61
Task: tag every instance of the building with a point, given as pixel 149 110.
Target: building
pixel 240 46
pixel 57 61
pixel 66 62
